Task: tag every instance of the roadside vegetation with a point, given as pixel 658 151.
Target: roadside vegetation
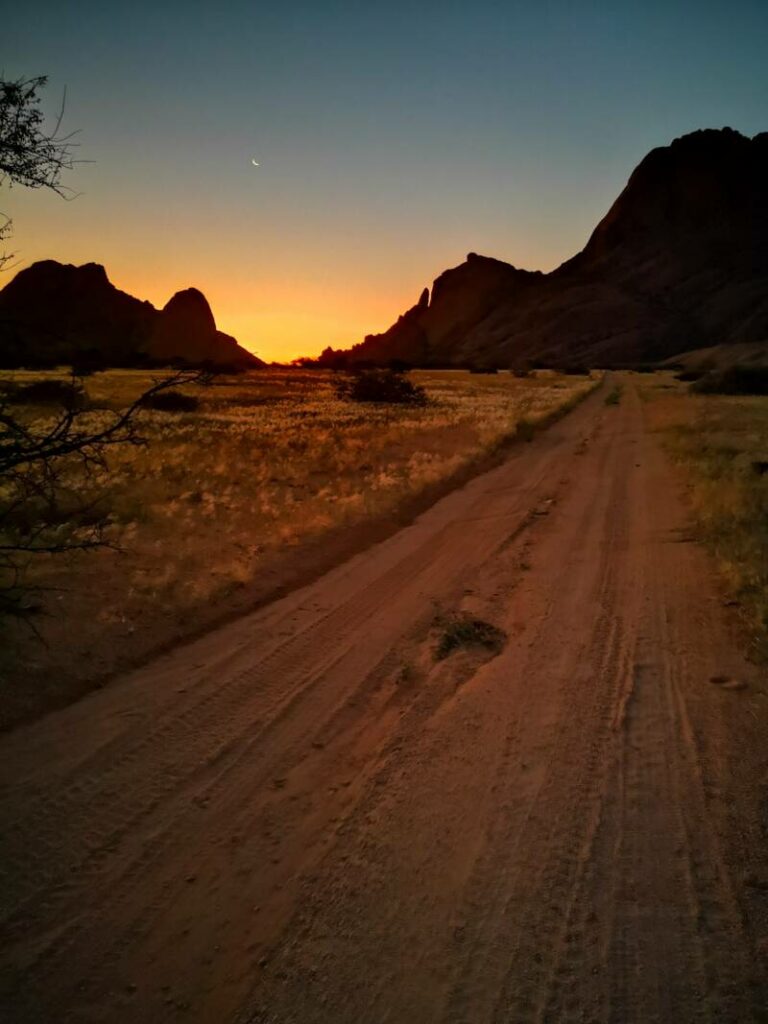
pixel 723 441
pixel 243 487
pixel 386 386
pixel 734 380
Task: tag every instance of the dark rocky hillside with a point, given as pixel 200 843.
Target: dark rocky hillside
pixel 53 313
pixel 679 262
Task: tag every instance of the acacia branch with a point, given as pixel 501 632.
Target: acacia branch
pixel 33 468
pixel 30 155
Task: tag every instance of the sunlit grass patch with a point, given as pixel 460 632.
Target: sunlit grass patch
pixel 264 466
pixel 724 442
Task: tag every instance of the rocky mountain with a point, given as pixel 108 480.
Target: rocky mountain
pixel 188 317
pixel 680 261
pixel 53 313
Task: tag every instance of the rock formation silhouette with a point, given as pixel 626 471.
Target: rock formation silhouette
pixel 53 313
pixel 679 262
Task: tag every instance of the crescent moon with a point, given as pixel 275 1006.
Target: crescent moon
pixel 255 163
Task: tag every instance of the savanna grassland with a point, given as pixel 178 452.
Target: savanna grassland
pixel 722 443
pixel 270 480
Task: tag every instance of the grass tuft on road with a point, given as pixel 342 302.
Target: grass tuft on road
pixel 614 396
pixel 463 631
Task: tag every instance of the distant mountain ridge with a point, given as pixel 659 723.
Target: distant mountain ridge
pixel 680 261
pixel 54 313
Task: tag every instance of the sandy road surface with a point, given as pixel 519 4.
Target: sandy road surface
pixel 304 817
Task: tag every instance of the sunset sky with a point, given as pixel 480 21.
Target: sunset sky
pixel 392 139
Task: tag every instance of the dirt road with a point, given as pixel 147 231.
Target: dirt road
pixel 304 817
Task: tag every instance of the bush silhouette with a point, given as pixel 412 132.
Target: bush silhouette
pixel 381 386
pixel 572 370
pixel 736 380
pixel 171 401
pixel 689 375
pixel 65 393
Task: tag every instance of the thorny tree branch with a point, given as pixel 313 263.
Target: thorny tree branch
pixel 39 512
pixel 30 155
pixel 5 232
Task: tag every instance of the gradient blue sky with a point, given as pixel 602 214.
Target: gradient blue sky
pixel 393 139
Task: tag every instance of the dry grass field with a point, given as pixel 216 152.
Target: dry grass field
pixel 722 441
pixel 268 481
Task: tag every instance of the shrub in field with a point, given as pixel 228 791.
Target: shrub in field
pixel 233 368
pixel 399 366
pixel 171 401
pixel 687 376
pixel 89 362
pixel 380 386
pixel 736 380
pixel 65 393
pixel 573 369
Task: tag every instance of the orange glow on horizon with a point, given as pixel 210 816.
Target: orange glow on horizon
pixel 283 335
pixel 291 297
pixel 280 322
